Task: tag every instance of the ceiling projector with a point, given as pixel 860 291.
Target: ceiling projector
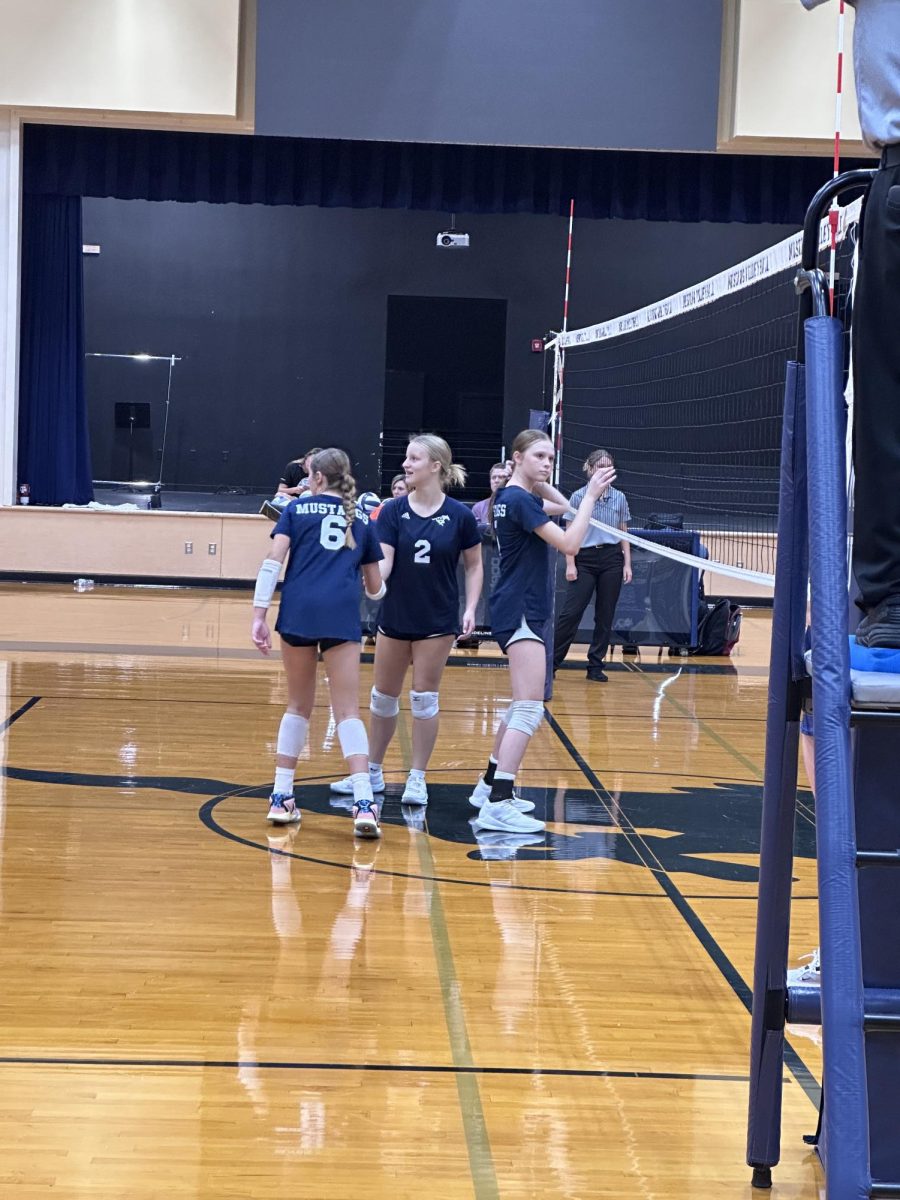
pixel 452 240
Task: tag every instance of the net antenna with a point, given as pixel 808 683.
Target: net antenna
pixel 559 357
pixel 834 211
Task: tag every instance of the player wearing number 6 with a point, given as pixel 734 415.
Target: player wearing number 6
pixel 328 543
pixel 422 536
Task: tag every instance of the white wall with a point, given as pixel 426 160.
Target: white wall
pixel 779 71
pixel 164 56
pixel 10 192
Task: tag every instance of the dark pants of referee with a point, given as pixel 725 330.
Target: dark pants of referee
pixel 600 575
pixel 876 390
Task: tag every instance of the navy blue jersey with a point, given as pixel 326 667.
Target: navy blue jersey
pixel 320 594
pixel 521 589
pixel 423 593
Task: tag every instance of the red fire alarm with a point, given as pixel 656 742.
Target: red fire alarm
pixel 537 345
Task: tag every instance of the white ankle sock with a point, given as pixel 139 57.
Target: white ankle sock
pixel 284 781
pixel 362 786
pixel 415 773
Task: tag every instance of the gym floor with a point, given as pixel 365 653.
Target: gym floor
pixel 197 1005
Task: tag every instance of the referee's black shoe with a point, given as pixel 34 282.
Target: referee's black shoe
pixel 596 676
pixel 880 628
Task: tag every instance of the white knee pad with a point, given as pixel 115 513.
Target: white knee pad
pixel 352 736
pixel 291 735
pixel 525 716
pixel 424 705
pixel 382 705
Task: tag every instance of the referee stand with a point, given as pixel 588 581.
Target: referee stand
pixel 857 804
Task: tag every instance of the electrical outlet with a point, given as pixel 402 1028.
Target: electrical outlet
pixel 211 548
pixel 189 547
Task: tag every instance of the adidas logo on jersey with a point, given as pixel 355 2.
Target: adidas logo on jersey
pixel 405 516
pixel 442 520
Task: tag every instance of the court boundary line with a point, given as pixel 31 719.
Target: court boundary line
pixel 380 1068
pixel 19 713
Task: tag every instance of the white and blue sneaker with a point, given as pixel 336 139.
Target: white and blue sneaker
pixel 482 793
pixel 365 819
pixel 283 810
pixel 504 817
pixel 344 787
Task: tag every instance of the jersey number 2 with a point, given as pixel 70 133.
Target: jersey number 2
pixel 423 552
pixel 333 532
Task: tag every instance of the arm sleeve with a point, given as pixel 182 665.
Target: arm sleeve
pixel 626 511
pixel 527 511
pixel 388 525
pixel 371 545
pixel 468 534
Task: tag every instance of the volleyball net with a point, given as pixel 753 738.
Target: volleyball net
pixel 687 396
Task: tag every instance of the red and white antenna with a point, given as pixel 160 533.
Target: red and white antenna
pixel 833 212
pixel 565 325
pixel 559 352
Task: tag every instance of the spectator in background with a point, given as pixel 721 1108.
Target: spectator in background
pixel 500 473
pixel 294 477
pixel 399 487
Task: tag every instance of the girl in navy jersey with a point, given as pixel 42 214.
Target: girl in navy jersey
pixel 328 543
pixel 520 605
pixel 422 536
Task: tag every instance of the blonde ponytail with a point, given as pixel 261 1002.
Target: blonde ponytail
pixel 452 474
pixel 347 487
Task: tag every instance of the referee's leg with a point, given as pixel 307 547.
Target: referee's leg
pixel 876 357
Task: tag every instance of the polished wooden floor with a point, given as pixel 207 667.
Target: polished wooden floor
pixel 192 1007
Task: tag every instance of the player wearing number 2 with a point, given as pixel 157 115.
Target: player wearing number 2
pixel 328 543
pixel 422 536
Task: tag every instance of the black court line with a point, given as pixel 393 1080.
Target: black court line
pixel 386 1068
pixel 726 967
pixel 20 712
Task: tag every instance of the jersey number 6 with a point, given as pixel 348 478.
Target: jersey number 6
pixel 332 533
pixel 423 552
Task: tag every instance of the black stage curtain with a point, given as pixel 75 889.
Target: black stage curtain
pixel 54 450
pixel 134 164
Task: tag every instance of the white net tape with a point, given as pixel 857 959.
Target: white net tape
pixel 689 560
pixel 761 266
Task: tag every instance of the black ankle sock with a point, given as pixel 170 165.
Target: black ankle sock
pixel 501 789
pixel 489 773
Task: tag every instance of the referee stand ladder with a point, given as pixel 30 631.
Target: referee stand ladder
pixel 857 752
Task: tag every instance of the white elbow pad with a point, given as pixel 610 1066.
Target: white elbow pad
pixel 266 582
pixel 379 594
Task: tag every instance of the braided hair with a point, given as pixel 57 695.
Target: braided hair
pixel 334 466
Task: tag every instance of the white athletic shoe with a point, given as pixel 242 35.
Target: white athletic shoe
pixel 811 973
pixel 504 817
pixel 345 786
pixel 482 794
pixel 415 791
